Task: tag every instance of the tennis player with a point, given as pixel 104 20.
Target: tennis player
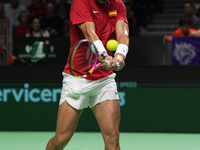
pixel 98 21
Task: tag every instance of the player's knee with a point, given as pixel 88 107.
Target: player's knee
pixel 113 137
pixel 62 140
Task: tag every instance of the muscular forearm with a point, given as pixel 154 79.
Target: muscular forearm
pixel 123 38
pixel 122 32
pixel 88 30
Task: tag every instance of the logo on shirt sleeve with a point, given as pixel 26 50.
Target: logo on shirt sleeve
pixel 112 13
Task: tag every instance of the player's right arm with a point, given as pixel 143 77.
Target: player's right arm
pixel 88 30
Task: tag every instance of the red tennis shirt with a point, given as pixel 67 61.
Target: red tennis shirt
pixel 104 18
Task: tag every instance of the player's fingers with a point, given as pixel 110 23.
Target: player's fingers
pixel 119 66
pixel 110 66
pixel 107 63
pixel 113 64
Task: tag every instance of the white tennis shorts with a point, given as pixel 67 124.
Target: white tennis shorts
pixel 81 93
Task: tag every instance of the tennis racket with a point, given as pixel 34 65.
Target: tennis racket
pixel 92 57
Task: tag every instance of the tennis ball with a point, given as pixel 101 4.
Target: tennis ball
pixel 112 45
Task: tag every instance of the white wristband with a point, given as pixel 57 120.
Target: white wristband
pixel 122 49
pixel 99 46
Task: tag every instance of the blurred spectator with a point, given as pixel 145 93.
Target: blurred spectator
pixel 69 1
pixel 3 22
pixel 36 9
pixel 51 21
pixel 142 12
pixel 2 12
pixel 188 13
pixel 184 28
pixel 196 6
pixel 62 9
pixel 36 29
pixel 131 19
pixel 25 2
pixel 23 28
pixel 131 3
pixel 12 11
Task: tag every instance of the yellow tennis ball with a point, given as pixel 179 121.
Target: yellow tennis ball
pixel 112 45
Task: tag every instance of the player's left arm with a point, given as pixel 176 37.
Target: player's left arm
pixel 122 33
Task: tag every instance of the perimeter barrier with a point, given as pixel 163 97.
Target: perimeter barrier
pixel 5 41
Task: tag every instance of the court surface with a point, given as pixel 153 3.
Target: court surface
pixel 93 141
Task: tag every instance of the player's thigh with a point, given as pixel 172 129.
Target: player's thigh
pixel 67 119
pixel 107 114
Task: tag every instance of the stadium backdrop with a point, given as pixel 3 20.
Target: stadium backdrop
pixel 153 98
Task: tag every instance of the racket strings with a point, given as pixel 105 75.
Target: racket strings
pixel 86 61
pixel 89 55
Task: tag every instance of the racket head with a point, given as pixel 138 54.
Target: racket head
pixel 92 55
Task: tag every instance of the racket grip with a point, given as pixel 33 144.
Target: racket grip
pixel 107 63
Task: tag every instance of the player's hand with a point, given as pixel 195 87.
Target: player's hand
pixel 111 64
pixel 119 62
